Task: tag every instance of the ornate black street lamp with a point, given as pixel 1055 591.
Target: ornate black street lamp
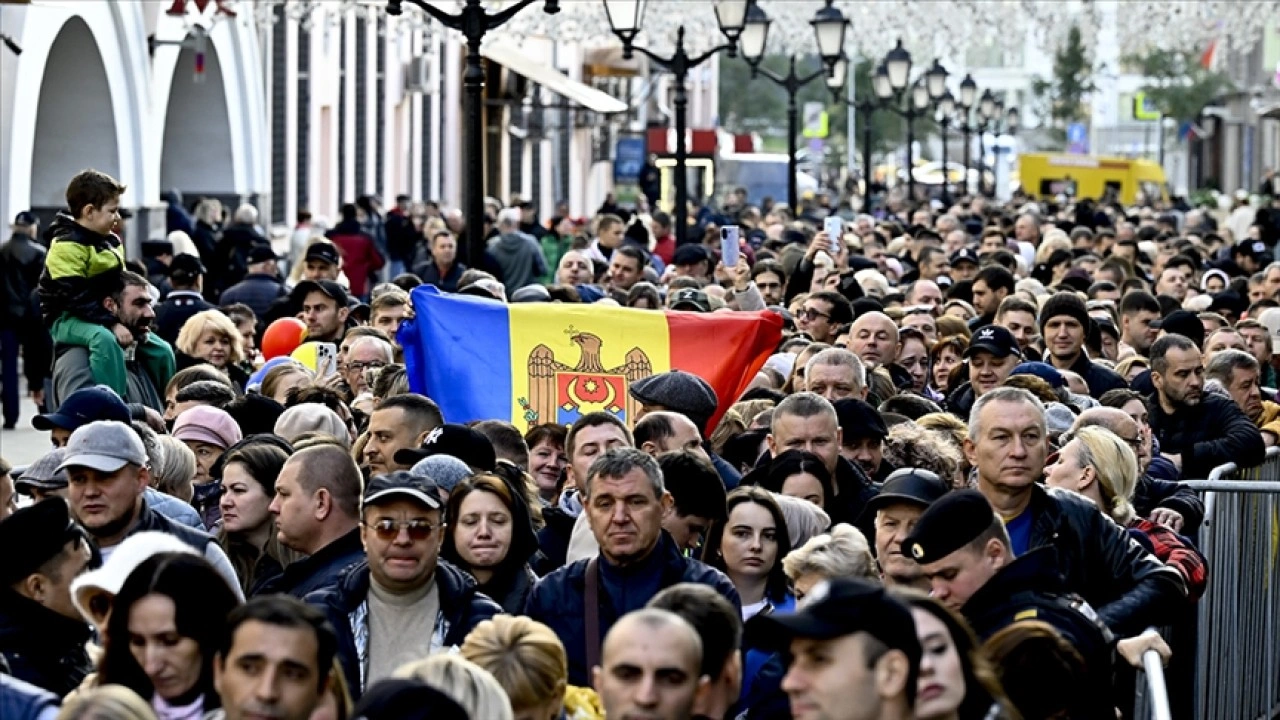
pixel 929 88
pixel 865 110
pixel 625 20
pixel 473 21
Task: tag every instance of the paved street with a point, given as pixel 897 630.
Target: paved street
pixel 24 444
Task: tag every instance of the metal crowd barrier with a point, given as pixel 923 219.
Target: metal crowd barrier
pixel 1238 638
pixel 1152 701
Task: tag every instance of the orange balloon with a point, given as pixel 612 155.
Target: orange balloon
pixel 283 337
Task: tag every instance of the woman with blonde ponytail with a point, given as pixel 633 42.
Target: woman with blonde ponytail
pixel 1096 463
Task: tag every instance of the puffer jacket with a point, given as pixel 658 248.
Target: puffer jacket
pixel 1097 559
pixel 41 646
pixel 81 269
pixel 960 401
pixel 559 600
pixel 1211 433
pixel 462 607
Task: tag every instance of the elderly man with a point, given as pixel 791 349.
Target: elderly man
pixel 874 339
pixel 1237 372
pixel 925 292
pixel 624 499
pixel 517 254
pixel 1007 444
pixel 365 353
pixel 902 500
pixel 835 374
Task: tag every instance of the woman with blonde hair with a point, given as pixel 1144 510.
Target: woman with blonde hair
pixel 210 337
pixel 465 682
pixel 529 662
pixel 842 552
pixel 106 702
pixel 173 474
pixel 284 377
pixel 1131 367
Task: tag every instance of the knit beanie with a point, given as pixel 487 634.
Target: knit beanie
pixel 1064 303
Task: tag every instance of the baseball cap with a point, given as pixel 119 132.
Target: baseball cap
pixel 1254 248
pixel 186 264
pixel 690 299
pixel 261 253
pixel 993 339
pixel 916 486
pixel 467 444
pixel 105 446
pixel 92 592
pixel 859 420
pixel 964 255
pixel 26 218
pixel 836 608
pixel 328 288
pixel 950 523
pixel 401 484
pixel 323 251
pixel 690 254
pixel 82 407
pixel 207 424
pixel 1042 370
pixel 43 474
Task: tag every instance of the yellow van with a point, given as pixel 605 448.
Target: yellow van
pixel 1045 176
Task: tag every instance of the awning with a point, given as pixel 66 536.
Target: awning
pixel 553 80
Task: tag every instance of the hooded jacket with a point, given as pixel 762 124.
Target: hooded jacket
pixel 360 254
pixel 559 600
pixel 81 269
pixel 1211 433
pixel 41 646
pixel 462 607
pixel 520 258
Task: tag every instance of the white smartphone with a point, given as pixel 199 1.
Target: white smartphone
pixel 326 359
pixel 729 246
pixel 833 226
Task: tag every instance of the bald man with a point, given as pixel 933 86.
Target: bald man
pixel 650 667
pixel 1160 501
pixel 874 339
pixel 575 268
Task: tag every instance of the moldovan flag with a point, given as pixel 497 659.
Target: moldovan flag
pixel 535 363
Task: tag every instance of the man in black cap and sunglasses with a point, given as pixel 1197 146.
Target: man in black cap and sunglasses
pixel 403 603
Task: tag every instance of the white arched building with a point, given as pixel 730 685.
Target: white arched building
pixel 86 91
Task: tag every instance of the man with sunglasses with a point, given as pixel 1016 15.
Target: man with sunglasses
pixel 403 603
pixel 822 313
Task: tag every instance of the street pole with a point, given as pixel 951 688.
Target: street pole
pixel 868 108
pixel 946 176
pixel 474 22
pixel 967 140
pixel 982 157
pixel 792 83
pixel 911 141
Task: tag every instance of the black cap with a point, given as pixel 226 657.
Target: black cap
pixel 261 253
pixel 950 523
pixel 324 287
pixel 467 444
pixel 858 420
pixel 322 251
pixel 836 608
pixel 690 254
pixel 994 339
pixel 916 486
pixel 41 530
pixel 83 407
pixel 406 699
pixel 690 299
pixel 401 485
pixel 26 218
pixel 1230 301
pixel 186 264
pixel 1184 323
pixel 1253 248
pixel 964 255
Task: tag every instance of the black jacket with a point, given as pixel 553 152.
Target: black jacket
pixel 553 539
pixel 75 294
pixel 1152 493
pixel 1097 559
pixel 1098 378
pixel 430 274
pixel 960 401
pixel 559 601
pixel 41 646
pixel 1030 588
pixel 403 238
pixel 231 256
pixel 317 571
pixel 257 290
pixel 853 491
pixel 176 310
pixel 461 605
pixel 1211 433
pixel 21 261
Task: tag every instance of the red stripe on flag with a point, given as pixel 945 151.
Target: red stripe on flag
pixel 725 349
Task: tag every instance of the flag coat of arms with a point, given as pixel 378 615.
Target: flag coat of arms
pixel 536 363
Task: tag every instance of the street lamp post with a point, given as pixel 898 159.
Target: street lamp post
pixel 968 95
pixel 474 22
pixel 829 25
pixel 946 106
pixel 896 69
pixel 865 109
pixel 625 19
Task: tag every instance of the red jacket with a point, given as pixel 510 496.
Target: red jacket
pixel 360 256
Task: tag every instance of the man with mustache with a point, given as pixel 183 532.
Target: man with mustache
pixel 132 308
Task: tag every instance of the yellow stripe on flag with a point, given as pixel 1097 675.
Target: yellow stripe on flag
pixel 567 361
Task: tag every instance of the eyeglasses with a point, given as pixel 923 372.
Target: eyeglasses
pixel 389 530
pixel 366 365
pixel 769 285
pixel 810 314
pixel 1135 442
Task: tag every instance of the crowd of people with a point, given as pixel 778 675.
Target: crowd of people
pixel 954 491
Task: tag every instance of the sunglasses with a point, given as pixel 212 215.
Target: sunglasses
pixel 389 530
